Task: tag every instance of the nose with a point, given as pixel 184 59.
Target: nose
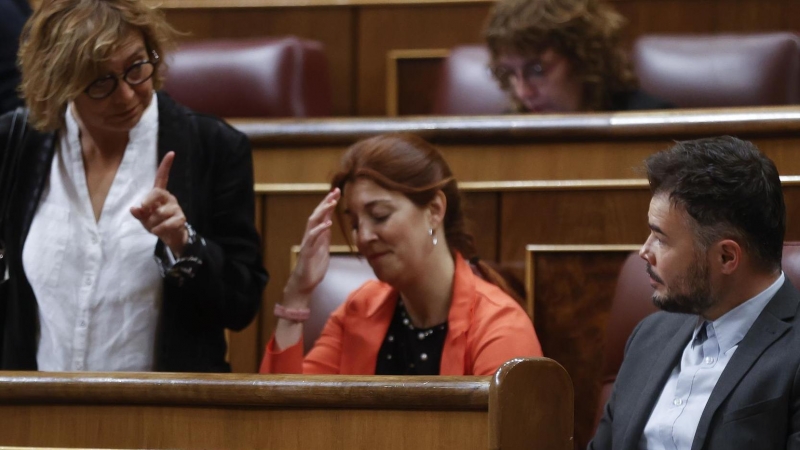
pixel 364 235
pixel 522 89
pixel 124 91
pixel 645 252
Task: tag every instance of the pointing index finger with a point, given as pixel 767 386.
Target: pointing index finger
pixel 162 174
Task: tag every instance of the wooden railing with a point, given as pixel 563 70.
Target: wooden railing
pixel 527 401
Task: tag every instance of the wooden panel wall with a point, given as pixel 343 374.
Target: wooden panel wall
pixel 572 292
pixel 358 35
pixel 520 161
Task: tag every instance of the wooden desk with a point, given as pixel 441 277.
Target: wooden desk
pixel 527 401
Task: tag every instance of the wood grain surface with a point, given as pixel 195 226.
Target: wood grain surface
pixel 156 410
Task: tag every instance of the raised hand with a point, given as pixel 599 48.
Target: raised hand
pixel 312 261
pixel 160 213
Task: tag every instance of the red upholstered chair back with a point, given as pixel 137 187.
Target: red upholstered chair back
pixel 466 85
pixel 791 262
pixel 285 77
pixel 346 273
pixel 631 303
pixel 720 70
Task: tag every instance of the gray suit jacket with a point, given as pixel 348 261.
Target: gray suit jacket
pixel 756 402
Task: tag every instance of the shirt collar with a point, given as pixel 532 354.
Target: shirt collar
pixel 731 327
pixel 147 123
pixel 142 130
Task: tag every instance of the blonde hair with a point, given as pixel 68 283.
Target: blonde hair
pixel 587 32
pixel 65 43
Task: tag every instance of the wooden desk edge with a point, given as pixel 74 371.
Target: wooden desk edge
pixel 774 120
pixel 499 186
pixel 293 391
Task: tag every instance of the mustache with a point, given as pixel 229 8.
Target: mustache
pixel 653 274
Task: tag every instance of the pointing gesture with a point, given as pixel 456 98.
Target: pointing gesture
pixel 160 213
pixel 162 174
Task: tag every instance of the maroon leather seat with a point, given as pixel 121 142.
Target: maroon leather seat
pixel 466 85
pixel 791 262
pixel 720 70
pixel 632 303
pixel 284 77
pixel 346 273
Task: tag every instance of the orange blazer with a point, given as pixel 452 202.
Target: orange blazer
pixel 486 328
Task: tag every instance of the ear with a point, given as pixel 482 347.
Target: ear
pixel 437 209
pixel 728 254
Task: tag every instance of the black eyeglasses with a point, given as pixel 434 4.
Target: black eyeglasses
pixel 134 75
pixel 530 72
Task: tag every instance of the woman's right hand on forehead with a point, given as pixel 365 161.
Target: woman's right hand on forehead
pixel 312 261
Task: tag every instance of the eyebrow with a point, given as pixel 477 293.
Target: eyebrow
pixel 656 229
pixel 139 51
pixel 137 54
pixel 369 205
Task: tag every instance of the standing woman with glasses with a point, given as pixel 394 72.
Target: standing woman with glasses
pixel 130 240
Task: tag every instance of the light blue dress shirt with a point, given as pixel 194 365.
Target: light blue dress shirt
pixel 674 419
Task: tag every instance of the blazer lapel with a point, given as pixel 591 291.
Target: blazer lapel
pixel 367 322
pixel 454 354
pixel 174 134
pixel 768 327
pixel 659 373
pixel 29 188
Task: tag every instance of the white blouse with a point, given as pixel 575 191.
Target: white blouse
pixel 96 283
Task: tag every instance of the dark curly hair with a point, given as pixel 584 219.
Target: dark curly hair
pixel 584 31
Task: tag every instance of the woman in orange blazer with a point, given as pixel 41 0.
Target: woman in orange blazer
pixel 431 312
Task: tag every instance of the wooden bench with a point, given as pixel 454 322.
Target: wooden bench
pixel 528 401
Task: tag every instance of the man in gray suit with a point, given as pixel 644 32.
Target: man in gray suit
pixel 718 367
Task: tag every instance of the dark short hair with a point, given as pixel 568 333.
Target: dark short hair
pixel 729 188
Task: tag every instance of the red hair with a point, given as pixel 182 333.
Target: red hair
pixel 408 164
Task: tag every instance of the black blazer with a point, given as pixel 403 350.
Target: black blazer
pixel 756 402
pixel 212 178
pixel 13 14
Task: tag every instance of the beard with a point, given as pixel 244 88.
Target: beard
pixel 691 293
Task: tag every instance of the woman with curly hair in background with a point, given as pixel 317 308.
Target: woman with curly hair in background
pixel 563 56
